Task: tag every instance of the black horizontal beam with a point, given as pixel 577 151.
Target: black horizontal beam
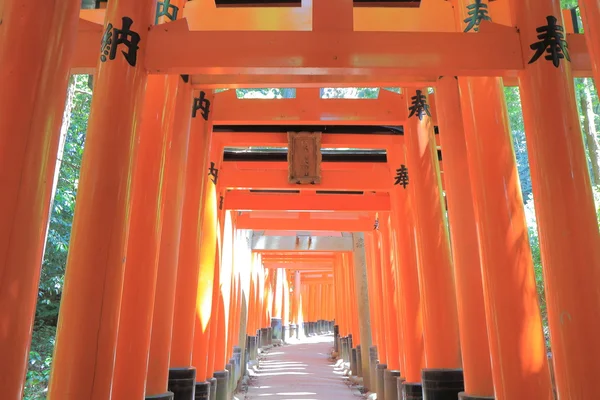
pixel 277 156
pixel 258 3
pixel 330 129
pixel 387 3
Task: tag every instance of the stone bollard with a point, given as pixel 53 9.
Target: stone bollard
pixel 237 356
pixel 373 359
pixel 442 384
pixel 270 336
pixel 202 391
pixel 276 329
pixel 399 382
pixel 182 383
pixel 222 385
pixel 164 396
pixel 350 342
pixel 213 388
pixel 344 348
pixel 264 337
pixel 464 396
pixel 380 387
pixel 353 364
pixel 231 367
pixel 412 391
pixel 336 336
pixel 251 348
pixel 390 383
pixel 359 371
pixel 285 333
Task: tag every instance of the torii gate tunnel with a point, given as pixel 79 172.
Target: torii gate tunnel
pixel 192 246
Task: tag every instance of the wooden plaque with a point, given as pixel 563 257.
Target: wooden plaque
pixel 304 157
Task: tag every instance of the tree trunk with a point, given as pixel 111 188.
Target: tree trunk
pixel 589 130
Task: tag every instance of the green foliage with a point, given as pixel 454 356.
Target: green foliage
pixel 57 243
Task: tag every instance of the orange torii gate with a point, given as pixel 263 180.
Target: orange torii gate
pixel 141 140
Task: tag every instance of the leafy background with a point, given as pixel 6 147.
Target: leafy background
pixel 78 108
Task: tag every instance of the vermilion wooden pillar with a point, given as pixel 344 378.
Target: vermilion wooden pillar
pixel 198 213
pixel 32 99
pixel 407 279
pixel 395 290
pixel 88 322
pixel 148 192
pixel 203 288
pixel 373 295
pixel 278 293
pixel 465 250
pixel 392 358
pixel 512 311
pixel 564 202
pixel 269 294
pixel 352 300
pixel 252 294
pixel 340 294
pixel 297 303
pixel 213 323
pixel 286 302
pixel 440 321
pixel 162 321
pixel 261 292
pixel 319 289
pixel 378 288
pixel 224 308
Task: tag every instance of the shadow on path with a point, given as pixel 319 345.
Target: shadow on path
pixel 302 370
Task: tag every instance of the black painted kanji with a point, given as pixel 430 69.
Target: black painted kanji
pixel 166 9
pixel 113 37
pixel 221 200
pixel 213 173
pixel 203 104
pixel 477 12
pixel 402 176
pixel 552 41
pixel 419 106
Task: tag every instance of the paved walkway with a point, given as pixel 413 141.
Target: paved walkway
pixel 300 371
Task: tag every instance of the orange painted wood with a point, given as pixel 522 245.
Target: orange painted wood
pixel 192 310
pixel 436 281
pixel 564 203
pixel 145 232
pixel 32 99
pixel 372 179
pixel 407 279
pixel 465 249
pixel 388 294
pixel 310 109
pixel 162 321
pixel 243 200
pixel 509 287
pixel 91 297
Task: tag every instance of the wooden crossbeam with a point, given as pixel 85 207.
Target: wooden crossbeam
pixel 246 221
pixel 316 202
pixel 232 81
pixel 371 177
pixel 173 49
pixel 309 108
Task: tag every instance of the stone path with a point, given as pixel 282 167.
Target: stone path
pixel 300 371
